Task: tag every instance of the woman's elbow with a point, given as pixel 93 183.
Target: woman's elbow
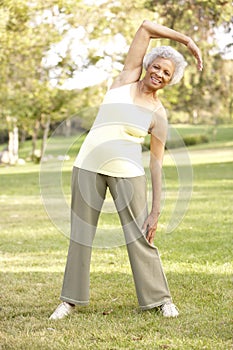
pixel 145 24
pixel 144 29
pixel 149 26
pixel 155 166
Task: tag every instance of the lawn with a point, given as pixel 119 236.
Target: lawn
pixel 197 258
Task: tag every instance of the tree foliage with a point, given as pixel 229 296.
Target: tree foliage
pixel 31 32
pixel 200 95
pixel 28 31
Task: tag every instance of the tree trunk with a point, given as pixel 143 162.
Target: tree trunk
pixel 67 128
pixel 45 136
pixel 13 146
pixel 230 109
pixel 34 139
pixel 13 142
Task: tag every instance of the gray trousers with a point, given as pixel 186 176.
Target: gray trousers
pixel 129 195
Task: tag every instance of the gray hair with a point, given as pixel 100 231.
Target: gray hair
pixel 171 54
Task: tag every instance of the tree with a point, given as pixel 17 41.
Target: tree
pixel 199 19
pixel 31 85
pixel 28 30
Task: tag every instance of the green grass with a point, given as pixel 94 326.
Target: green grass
pixel 197 258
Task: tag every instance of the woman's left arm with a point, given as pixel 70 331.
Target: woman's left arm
pixel 156 162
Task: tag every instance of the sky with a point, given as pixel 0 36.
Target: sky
pixel 223 39
pixel 78 44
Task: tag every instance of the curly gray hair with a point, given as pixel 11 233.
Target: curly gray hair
pixel 169 53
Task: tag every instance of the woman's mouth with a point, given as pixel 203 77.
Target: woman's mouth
pixel 156 81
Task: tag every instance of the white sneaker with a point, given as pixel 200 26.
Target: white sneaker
pixel 61 311
pixel 169 310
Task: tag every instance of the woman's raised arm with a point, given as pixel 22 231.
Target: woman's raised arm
pixel 149 30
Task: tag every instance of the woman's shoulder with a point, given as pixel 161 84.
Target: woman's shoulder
pixel 118 94
pixel 121 86
pixel 160 111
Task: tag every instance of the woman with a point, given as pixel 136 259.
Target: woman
pixel 111 157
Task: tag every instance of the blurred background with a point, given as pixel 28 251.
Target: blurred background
pixel 57 58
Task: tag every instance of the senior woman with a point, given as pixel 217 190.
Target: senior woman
pixel 110 157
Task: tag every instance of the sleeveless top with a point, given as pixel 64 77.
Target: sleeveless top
pixel 113 146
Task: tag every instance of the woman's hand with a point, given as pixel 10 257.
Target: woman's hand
pixel 196 53
pixel 150 226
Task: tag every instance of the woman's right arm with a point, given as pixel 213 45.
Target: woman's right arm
pixel 149 30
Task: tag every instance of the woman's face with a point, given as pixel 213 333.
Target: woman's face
pixel 159 73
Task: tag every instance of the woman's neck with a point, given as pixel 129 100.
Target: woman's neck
pixel 143 91
pixel 145 96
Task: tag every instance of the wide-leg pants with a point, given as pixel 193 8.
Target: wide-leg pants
pixel 129 195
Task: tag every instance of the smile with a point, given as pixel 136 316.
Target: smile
pixel 156 80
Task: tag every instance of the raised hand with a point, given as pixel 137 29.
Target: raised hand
pixel 196 53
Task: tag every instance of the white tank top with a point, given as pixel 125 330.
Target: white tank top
pixel 113 146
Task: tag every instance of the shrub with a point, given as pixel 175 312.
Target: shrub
pixel 188 140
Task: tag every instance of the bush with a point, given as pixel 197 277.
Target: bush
pixel 188 140
pixel 191 140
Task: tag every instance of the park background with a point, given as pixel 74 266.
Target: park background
pixel 57 59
